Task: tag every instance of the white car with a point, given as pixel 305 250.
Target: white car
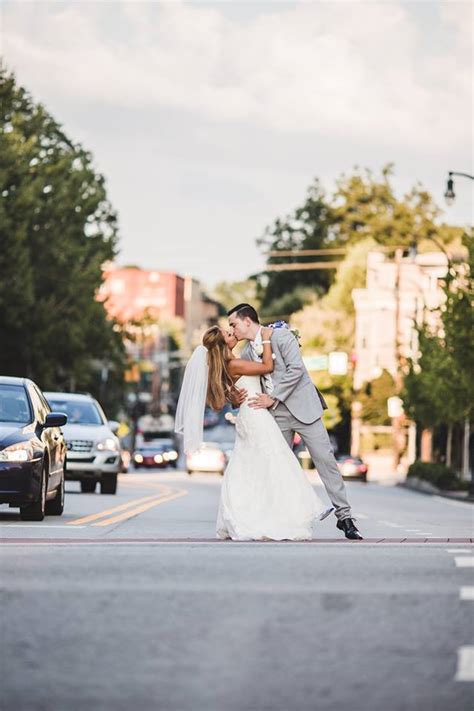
pixel 93 449
pixel 209 458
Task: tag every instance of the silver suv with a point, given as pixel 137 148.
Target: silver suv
pixel 93 449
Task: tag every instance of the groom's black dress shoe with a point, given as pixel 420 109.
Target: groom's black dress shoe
pixel 350 531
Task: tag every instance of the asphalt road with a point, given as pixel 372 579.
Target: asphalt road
pixel 128 602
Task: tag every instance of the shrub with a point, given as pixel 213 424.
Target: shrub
pixel 437 474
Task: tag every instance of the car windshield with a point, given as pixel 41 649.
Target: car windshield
pixel 79 412
pixel 14 405
pixel 156 446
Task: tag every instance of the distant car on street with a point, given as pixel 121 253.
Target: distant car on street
pixel 209 458
pixel 159 453
pixel 352 467
pixel 224 436
pixel 301 451
pixel 93 448
pixel 32 450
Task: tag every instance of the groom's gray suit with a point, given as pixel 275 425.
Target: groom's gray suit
pixel 299 409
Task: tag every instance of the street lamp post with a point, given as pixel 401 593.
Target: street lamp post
pixel 450 195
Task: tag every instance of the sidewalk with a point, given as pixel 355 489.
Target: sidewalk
pixel 425 487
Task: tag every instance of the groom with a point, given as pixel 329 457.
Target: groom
pixel 296 404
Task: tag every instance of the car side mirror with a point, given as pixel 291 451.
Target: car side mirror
pixel 114 426
pixel 55 419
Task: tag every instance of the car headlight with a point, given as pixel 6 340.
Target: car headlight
pixel 138 458
pixel 19 452
pixel 158 458
pixel 172 455
pixel 109 444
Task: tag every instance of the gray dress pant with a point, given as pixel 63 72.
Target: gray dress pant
pixel 317 441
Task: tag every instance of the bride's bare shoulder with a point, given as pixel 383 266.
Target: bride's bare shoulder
pixel 234 366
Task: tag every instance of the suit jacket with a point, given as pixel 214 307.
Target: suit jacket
pixel 291 382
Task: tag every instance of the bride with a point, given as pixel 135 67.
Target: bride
pixel 265 494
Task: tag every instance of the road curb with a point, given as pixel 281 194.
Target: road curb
pixel 425 487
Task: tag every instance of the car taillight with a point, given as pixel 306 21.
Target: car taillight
pixel 363 469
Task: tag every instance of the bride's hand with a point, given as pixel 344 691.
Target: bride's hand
pixel 266 333
pixel 238 396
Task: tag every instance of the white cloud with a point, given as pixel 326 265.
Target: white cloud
pixel 340 68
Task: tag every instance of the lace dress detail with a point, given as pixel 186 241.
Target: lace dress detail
pixel 265 493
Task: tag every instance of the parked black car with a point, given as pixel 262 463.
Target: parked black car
pixel 32 450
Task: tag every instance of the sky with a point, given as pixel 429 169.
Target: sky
pixel 211 119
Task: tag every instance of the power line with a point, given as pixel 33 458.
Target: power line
pixel 306 252
pixel 302 265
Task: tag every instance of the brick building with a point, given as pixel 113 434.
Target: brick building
pixel 130 292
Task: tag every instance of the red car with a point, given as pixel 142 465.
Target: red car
pixel 158 454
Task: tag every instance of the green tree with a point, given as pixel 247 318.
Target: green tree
pixel 373 396
pixel 458 325
pixel 57 229
pixel 306 228
pixel 363 206
pixel 231 293
pixel 439 388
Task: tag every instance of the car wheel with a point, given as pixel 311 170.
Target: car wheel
pixel 88 486
pixel 36 511
pixel 55 507
pixel 108 484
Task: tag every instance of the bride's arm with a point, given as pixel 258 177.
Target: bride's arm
pixel 239 366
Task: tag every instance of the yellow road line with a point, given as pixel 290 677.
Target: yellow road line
pixel 130 513
pixel 115 509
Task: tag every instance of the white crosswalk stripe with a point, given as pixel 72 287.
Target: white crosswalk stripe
pixel 466 561
pixel 465 669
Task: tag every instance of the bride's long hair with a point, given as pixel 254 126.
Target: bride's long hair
pixel 220 382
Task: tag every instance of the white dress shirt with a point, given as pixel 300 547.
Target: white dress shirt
pixel 257 351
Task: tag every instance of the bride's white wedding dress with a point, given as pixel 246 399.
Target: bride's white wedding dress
pixel 265 494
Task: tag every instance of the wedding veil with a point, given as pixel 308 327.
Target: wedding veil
pixel 189 420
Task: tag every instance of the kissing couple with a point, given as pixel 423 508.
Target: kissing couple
pixel 265 493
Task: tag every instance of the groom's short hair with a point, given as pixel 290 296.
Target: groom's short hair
pixel 244 311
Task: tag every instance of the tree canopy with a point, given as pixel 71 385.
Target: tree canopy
pixel 439 386
pixel 363 206
pixel 57 229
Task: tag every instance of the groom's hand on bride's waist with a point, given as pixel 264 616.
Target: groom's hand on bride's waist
pixel 262 401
